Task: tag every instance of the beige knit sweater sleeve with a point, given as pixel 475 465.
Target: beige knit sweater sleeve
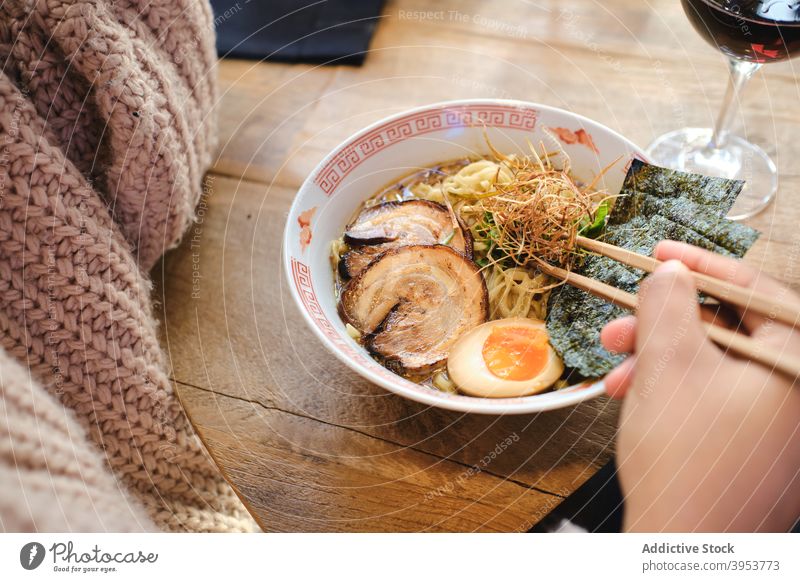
pixel 51 477
pixel 106 128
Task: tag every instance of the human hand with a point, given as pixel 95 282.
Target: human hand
pixel 707 441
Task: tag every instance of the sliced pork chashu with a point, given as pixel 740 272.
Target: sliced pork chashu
pixel 413 303
pixel 380 228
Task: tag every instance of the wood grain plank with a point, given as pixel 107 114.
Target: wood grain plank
pixel 652 28
pixel 299 474
pixel 615 64
pixel 262 107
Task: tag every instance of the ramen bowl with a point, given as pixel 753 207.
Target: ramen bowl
pixel 396 147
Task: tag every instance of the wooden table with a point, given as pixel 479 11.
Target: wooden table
pixel 310 446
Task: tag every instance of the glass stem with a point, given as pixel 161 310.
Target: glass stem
pixel 741 71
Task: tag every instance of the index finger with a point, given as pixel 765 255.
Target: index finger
pixel 728 269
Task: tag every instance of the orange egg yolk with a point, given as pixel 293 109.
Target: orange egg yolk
pixel 516 353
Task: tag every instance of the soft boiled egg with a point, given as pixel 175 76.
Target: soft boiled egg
pixel 504 358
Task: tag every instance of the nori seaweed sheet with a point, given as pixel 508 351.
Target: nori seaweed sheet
pixel 654 204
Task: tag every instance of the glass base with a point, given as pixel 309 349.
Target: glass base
pixel 688 150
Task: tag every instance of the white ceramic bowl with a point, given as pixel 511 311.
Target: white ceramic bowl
pixel 395 147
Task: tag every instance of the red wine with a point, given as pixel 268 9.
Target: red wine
pixel 753 30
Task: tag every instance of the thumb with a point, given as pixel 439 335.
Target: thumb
pixel 668 316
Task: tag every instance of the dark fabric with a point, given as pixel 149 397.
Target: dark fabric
pixel 596 506
pixel 310 31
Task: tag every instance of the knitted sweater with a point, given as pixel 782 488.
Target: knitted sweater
pixel 106 128
pixel 52 478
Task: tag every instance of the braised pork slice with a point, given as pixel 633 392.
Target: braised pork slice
pixel 380 228
pixel 413 302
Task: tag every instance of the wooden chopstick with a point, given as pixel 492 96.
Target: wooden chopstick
pixel 736 342
pixel 722 290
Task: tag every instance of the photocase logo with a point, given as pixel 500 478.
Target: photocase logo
pixel 31 555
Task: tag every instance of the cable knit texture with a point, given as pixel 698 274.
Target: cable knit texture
pixel 106 128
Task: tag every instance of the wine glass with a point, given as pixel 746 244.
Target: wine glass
pixel 750 33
